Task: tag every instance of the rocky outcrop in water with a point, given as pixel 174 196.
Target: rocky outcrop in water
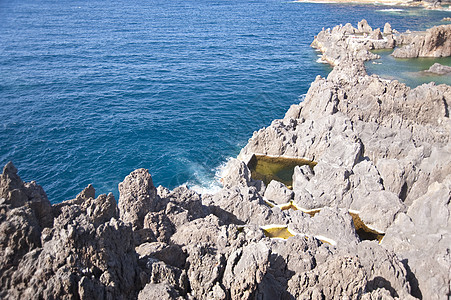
pixel 435 42
pixel 439 69
pixel 366 217
pixel 349 44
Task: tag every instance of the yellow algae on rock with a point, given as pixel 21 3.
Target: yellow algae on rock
pixel 363 231
pixel 287 206
pixel 277 231
pixel 267 168
pixel 325 240
pixel 293 206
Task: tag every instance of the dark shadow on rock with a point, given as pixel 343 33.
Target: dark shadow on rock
pixel 224 216
pixel 403 192
pixel 380 282
pixel 275 282
pixel 446 108
pixel 416 292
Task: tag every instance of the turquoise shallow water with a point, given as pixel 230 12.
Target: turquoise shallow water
pixel 91 90
pixel 409 71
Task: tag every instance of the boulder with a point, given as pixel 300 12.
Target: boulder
pixel 435 42
pixel 278 193
pixel 137 197
pixel 363 27
pixel 439 69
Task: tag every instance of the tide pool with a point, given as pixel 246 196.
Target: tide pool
pixel 410 71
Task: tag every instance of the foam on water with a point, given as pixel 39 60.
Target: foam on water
pixel 204 183
pixel 392 10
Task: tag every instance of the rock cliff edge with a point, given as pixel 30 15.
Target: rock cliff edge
pixel 367 216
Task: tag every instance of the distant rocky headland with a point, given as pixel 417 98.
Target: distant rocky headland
pixel 347 197
pixel 428 4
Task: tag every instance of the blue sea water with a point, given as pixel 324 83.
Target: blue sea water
pixel 91 90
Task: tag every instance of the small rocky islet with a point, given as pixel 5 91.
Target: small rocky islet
pixel 366 214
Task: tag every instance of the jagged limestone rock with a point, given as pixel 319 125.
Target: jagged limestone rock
pixel 435 42
pixel 278 192
pixel 422 238
pixel 381 152
pixel 137 197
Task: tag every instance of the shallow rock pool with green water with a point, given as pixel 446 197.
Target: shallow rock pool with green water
pixel 407 70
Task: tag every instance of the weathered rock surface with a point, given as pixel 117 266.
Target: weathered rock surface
pixel 87 253
pixel 345 43
pixel 439 69
pixel 382 152
pixel 138 196
pixel 426 227
pixel 435 42
pixel 379 145
pixel 278 192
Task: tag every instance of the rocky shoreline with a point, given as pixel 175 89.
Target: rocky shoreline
pixel 427 4
pixel 377 160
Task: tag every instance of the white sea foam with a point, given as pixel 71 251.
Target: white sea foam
pixel 211 189
pixel 391 10
pixel 301 98
pixel 204 183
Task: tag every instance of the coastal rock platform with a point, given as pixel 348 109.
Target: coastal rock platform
pixel 365 213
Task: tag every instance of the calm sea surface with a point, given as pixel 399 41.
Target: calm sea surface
pixel 91 90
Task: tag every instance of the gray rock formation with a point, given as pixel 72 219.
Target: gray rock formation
pixel 379 147
pixel 137 197
pixel 387 28
pixel 426 227
pixel 16 193
pixel 383 165
pixel 85 253
pixel 278 192
pixel 439 69
pixel 435 42
pixel 363 27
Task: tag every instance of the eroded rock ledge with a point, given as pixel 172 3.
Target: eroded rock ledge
pixel 381 151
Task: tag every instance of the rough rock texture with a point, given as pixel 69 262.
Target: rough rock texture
pixel 439 69
pixel 137 197
pixel 189 247
pixel 16 193
pixel 383 153
pixel 278 192
pixel 426 227
pixel 380 148
pixel 345 43
pixel 435 42
pixel 87 253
